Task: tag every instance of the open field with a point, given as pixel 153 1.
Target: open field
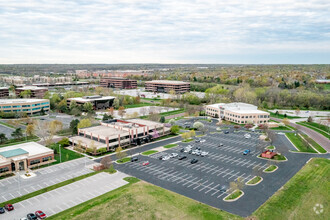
pixel 297 198
pixel 141 200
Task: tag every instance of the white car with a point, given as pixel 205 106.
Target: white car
pixel 174 155
pixel 247 136
pixel 204 153
pixel 194 152
pixel 203 140
pixel 166 158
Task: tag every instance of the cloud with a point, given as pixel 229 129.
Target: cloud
pixel 132 31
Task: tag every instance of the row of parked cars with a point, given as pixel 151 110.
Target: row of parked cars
pixel 175 155
pixel 197 151
pixel 31 216
pixel 8 207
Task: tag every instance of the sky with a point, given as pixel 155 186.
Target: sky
pixel 165 31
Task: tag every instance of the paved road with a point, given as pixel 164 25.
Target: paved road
pixel 68 196
pixel 6 130
pixel 319 138
pixel 16 186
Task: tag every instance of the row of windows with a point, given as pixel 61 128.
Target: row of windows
pixel 46 158
pixel 32 162
pixel 24 106
pixel 25 110
pixel 4 169
pixel 248 116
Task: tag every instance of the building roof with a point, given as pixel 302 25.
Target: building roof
pixel 91 98
pixel 31 88
pixel 13 153
pixel 103 131
pixel 239 107
pixel 4 88
pixel 23 101
pixel 168 82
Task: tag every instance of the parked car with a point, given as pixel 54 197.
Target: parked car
pixel 182 150
pixel 145 163
pixel 194 161
pixel 204 153
pixel 194 152
pixel 2 210
pixel 9 207
pixel 220 145
pixel 247 136
pixel 166 158
pixel 134 159
pixel 226 132
pixel 174 154
pixel 31 216
pixel 203 140
pixel 181 157
pixel 198 153
pixel 40 214
pixel 198 148
pixel 246 152
pixel 160 158
pixel 197 140
pixel 189 152
pixel 223 188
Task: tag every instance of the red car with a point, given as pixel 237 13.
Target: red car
pixel 9 207
pixel 40 214
pixel 145 163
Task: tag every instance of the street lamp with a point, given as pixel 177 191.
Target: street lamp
pixel 59 148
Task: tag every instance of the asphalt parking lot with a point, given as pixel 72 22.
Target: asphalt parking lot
pixel 202 181
pixel 6 130
pixel 68 196
pixel 16 186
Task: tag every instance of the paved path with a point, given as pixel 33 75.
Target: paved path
pixel 68 196
pixel 16 186
pixel 319 138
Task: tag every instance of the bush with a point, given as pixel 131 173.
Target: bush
pixel 64 142
pixel 175 129
pixel 102 150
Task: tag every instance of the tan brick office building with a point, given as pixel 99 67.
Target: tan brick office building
pixel 36 92
pixel 167 85
pixel 118 83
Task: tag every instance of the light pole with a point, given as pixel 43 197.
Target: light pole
pixel 59 148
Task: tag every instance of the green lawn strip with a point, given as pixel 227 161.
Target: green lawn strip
pixel 317 125
pixel 47 189
pixel 283 128
pixel 325 134
pixel 282 116
pixel 270 147
pixel 66 155
pixel 166 136
pixel 143 201
pixel 271 168
pixel 234 195
pixel 292 128
pixel 124 160
pixel 279 157
pixel 296 199
pixel 255 180
pixel 314 144
pixel 149 152
pixel 298 142
pixel 22 140
pixel 151 99
pixel 138 105
pixel 8 125
pixel 170 146
pixel 187 140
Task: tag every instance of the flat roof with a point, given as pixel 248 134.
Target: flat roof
pixel 4 88
pixel 32 148
pixel 23 101
pixel 103 131
pixel 13 152
pixel 239 107
pixel 31 88
pixel 145 122
pixel 168 82
pixel 82 99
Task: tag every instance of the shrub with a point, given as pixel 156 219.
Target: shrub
pixel 64 142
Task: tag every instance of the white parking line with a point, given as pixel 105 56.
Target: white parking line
pixel 213 188
pixel 206 187
pixel 200 184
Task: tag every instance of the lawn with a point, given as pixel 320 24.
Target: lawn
pixel 124 160
pixel 149 152
pixel 20 141
pixel 234 195
pixel 283 128
pixel 67 155
pixel 170 146
pixel 282 116
pixel 314 144
pixel 298 142
pixel 187 140
pixel 297 198
pixel 141 200
pixel 8 125
pixel 270 147
pixel 254 180
pixel 271 168
pixel 315 128
pixel 137 105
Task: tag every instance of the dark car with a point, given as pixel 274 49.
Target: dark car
pixel 226 132
pixel 220 145
pixel 198 148
pixel 182 150
pixel 134 159
pixel 197 140
pixel 223 188
pixel 9 207
pixel 40 214
pixel 31 216
pixel 181 157
pixel 189 152
pixel 194 161
pixel 2 210
pixel 160 158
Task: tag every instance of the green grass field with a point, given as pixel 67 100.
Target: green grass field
pixel 296 199
pixel 141 200
pixel 298 142
pixel 149 152
pixel 67 155
pixel 322 130
pixel 187 140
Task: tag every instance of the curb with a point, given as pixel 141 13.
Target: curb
pixel 249 184
pixel 233 200
pixel 270 171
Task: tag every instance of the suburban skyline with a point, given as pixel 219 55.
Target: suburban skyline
pixel 236 32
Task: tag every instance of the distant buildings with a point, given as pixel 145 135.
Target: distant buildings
pixel 322 81
pixel 98 102
pixel 237 112
pixel 111 73
pixel 29 106
pixel 118 83
pixel 4 92
pixel 24 156
pixel 21 80
pixel 114 133
pixel 60 84
pixel 167 85
pixel 36 92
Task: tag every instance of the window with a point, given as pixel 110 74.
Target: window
pixel 16 106
pixel 4 169
pixel 24 106
pixel 32 162
pixel 46 158
pixel 6 106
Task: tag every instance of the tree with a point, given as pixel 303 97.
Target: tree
pixel 110 111
pixel 30 129
pixel 198 125
pixel 248 126
pixel 172 122
pixel 257 171
pixel 286 121
pixel 106 117
pixel 42 111
pixel 192 133
pixel 3 138
pixel 88 107
pixel 74 126
pixel 84 123
pixel 17 133
pixel 175 129
pixel 310 119
pixel 73 105
pixel 62 106
pixel 64 142
pixel 120 154
pixel 185 135
pixel 116 103
pixel 271 135
pixel 121 111
pixel 26 94
pixel 162 119
pixel 154 117
pixel 106 162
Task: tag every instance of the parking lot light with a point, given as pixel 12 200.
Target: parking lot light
pixel 59 148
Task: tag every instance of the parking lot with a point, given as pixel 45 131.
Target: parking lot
pixel 68 196
pixel 6 130
pixel 16 186
pixel 203 180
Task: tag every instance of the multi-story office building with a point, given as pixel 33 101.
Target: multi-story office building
pixel 118 83
pixel 36 92
pixel 240 113
pixel 167 85
pixel 98 102
pixel 24 156
pixel 29 106
pixel 4 92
